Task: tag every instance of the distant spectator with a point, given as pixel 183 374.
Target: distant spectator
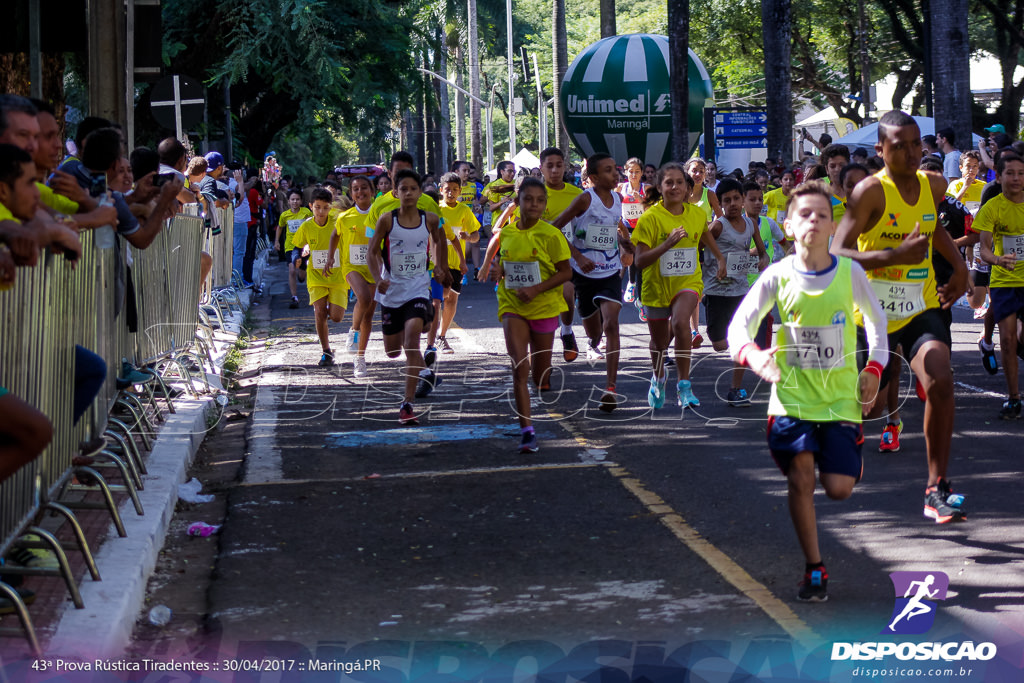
pixel 946 141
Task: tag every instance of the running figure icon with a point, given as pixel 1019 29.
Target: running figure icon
pixel 915 607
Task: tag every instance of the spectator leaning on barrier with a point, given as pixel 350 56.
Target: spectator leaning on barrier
pixel 173 156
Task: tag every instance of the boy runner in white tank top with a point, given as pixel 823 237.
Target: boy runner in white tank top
pixel 597 231
pixel 399 255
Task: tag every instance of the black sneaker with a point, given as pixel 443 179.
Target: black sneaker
pixel 814 586
pixel 430 356
pixel 738 398
pixel 569 349
pixel 529 443
pixel 428 380
pixel 326 360
pixel 1011 409
pixel 294 303
pixel 988 357
pixel 937 506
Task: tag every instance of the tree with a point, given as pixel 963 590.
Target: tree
pixel 607 18
pixel 474 86
pixel 678 64
pixel 951 69
pixel 775 27
pixel 1006 43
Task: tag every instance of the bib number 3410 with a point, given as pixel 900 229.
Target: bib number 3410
pixel 899 300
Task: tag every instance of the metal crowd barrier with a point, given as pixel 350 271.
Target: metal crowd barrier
pixel 51 308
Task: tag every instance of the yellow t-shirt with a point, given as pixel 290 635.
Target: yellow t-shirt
pixel 559 200
pixel 57 202
pixel 290 221
pixel 660 285
pixel 352 228
pixel 775 205
pixel 389 202
pixel 971 198
pixel 458 218
pixel 544 245
pixel 492 196
pixel 6 215
pixel 318 237
pixel 904 291
pixel 1005 220
pixel 838 209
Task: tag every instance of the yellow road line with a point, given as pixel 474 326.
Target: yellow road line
pixel 429 474
pixel 726 567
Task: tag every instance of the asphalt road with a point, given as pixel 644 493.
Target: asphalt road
pixel 628 536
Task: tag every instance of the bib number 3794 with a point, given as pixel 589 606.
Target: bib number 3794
pixel 409 265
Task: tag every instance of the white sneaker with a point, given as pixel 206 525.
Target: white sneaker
pixel 359 367
pixel 353 342
pixel 593 354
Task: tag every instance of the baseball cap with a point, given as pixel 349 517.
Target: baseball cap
pixel 214 160
pixel 997 128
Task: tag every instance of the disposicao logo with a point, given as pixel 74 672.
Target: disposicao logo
pixel 916 593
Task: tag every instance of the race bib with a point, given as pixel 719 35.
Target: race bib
pixel 814 348
pixel 357 254
pixel 780 217
pixel 567 231
pixel 972 207
pixel 521 274
pixel 409 265
pixel 739 264
pixel 899 300
pixel 293 226
pixel 678 262
pixel 319 258
pixel 600 237
pixel 1014 244
pixel 632 211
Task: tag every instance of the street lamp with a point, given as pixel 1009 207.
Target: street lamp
pixel 490 112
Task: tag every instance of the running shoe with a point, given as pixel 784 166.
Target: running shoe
pixel 695 340
pixel 428 380
pixel 430 356
pixel 37 558
pixel 670 360
pixel 630 295
pixel 359 367
pixel 890 442
pixel 569 349
pixel 738 398
pixel 593 354
pixel 444 346
pixel 529 443
pixel 656 394
pixel 609 399
pixel 919 390
pixel 465 279
pixel 814 586
pixel 937 507
pixel 407 415
pixel 686 397
pixel 988 357
pixel 294 303
pixel 353 342
pixel 642 313
pixel 326 360
pixel 979 313
pixel 1011 409
pixel 954 500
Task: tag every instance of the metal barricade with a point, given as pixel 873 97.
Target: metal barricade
pixel 220 247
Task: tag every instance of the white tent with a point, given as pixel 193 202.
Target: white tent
pixel 524 159
pixel 867 136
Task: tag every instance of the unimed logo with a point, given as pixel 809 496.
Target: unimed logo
pixel 916 593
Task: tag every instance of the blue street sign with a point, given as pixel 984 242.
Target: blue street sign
pixel 748 118
pixel 731 131
pixel 741 143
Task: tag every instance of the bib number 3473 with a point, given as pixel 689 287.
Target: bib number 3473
pixel 678 262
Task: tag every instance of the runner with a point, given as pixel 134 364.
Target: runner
pixel 666 237
pixel 834 158
pixel 967 189
pixel 328 293
pixel 1001 226
pixel 460 228
pixel 398 256
pixel 891 224
pixel 353 232
pixel 290 221
pixel 775 201
pixel 534 262
pixel 815 409
pixel 632 192
pixel 594 221
pixel 707 201
pixel 733 232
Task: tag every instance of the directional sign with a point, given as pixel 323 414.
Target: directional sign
pixel 748 118
pixel 741 143
pixel 740 131
pixel 177 102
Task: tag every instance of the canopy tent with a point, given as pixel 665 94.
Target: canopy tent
pixel 524 159
pixel 867 136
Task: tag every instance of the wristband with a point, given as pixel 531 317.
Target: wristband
pixel 875 368
pixel 745 350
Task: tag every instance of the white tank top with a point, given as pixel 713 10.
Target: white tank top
pixel 406 257
pixel 596 235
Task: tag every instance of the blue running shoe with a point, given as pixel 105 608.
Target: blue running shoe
pixel 686 397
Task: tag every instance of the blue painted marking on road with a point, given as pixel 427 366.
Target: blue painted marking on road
pixel 418 435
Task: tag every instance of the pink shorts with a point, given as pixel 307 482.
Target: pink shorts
pixel 540 325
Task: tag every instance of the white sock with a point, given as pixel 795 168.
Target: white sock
pixel 988 346
pixel 566 329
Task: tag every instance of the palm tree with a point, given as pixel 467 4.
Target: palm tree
pixel 474 87
pixel 775 33
pixel 455 45
pixel 678 63
pixel 951 71
pixel 560 62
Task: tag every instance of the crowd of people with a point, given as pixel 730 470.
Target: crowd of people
pixel 849 259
